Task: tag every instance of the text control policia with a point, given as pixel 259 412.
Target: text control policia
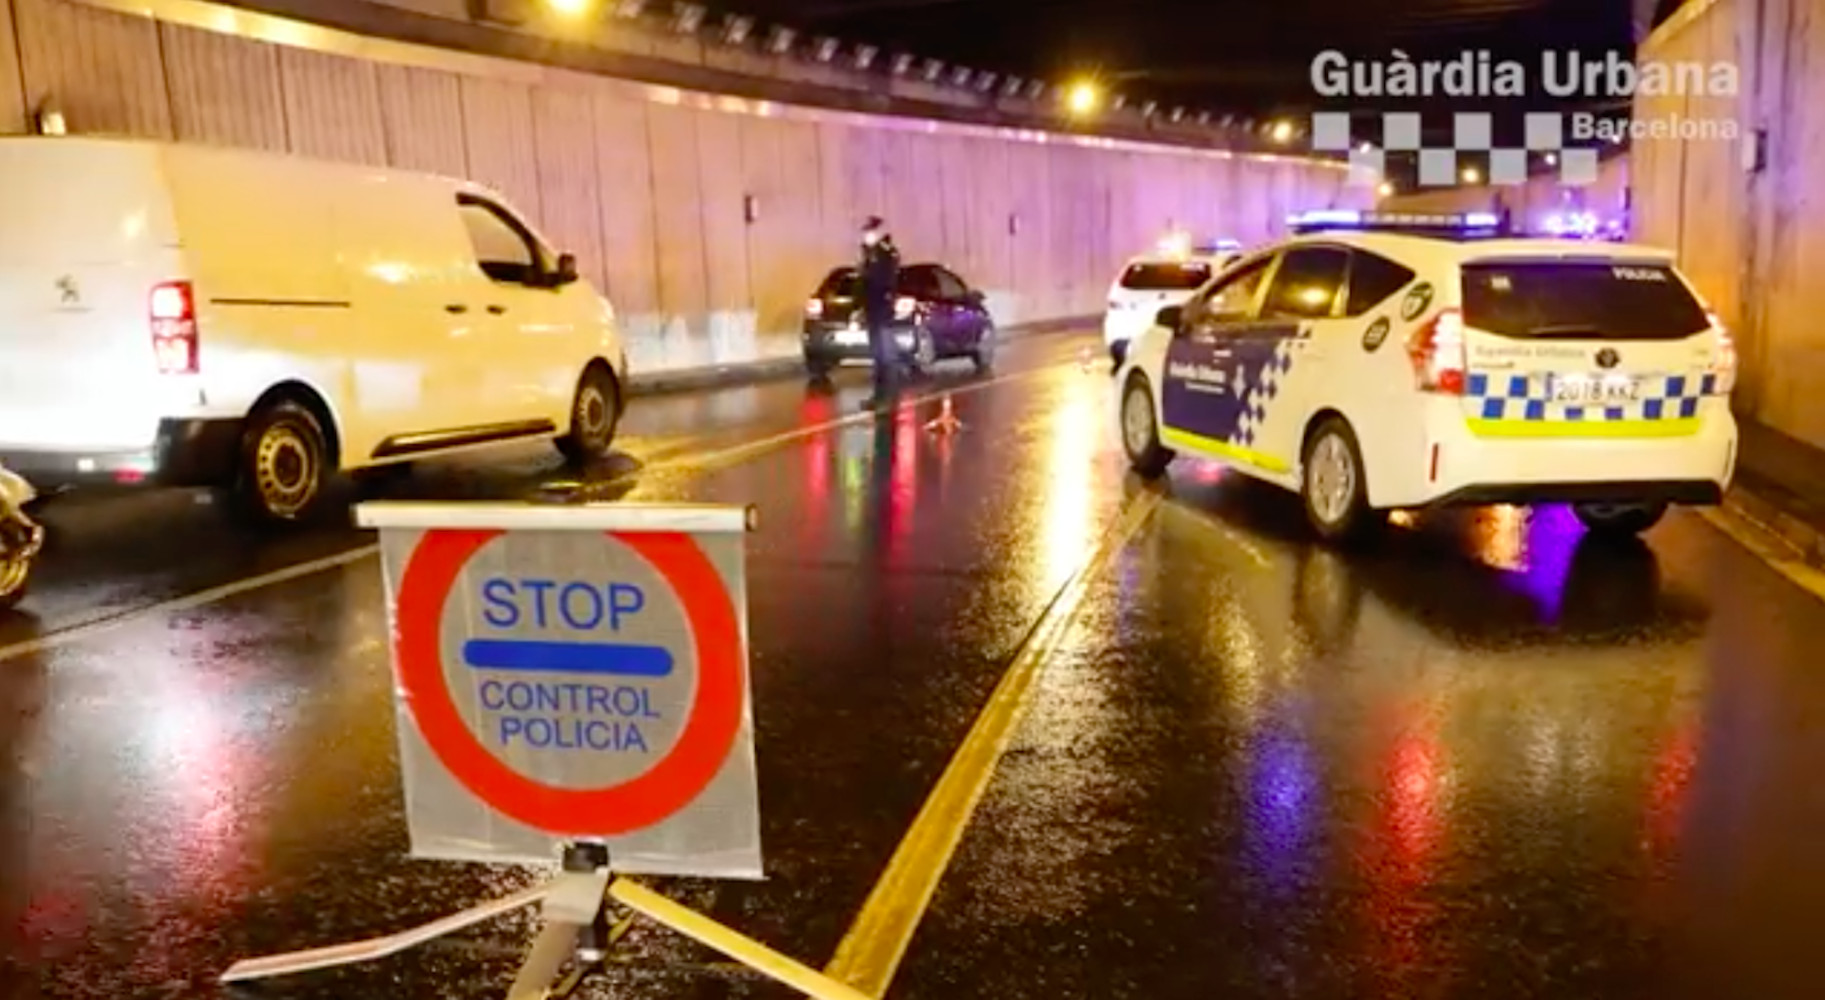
pixel 567 715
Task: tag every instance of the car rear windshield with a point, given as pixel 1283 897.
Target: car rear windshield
pixel 842 283
pixel 1581 301
pixel 1165 277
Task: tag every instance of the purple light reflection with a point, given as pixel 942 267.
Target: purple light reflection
pixel 1551 539
pixel 1282 796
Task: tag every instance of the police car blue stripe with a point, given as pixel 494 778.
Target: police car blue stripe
pixel 1517 387
pixel 1688 407
pixel 1536 410
pixel 1479 385
pixel 1653 409
pixel 1492 409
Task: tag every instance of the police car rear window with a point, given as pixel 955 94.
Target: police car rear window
pixel 1580 301
pixel 1165 277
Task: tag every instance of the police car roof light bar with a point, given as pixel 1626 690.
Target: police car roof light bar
pixel 1418 223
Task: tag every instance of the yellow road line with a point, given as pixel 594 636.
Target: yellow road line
pixel 871 951
pixel 708 460
pixel 740 947
pixel 1749 534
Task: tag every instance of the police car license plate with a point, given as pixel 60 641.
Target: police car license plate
pixel 1593 389
pixel 851 335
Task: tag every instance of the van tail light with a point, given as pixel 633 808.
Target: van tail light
pixel 904 307
pixel 1437 353
pixel 814 308
pixel 1723 358
pixel 172 313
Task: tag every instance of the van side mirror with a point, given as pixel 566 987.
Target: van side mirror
pixel 566 271
pixel 1171 317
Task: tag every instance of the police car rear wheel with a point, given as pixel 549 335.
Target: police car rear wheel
pixel 1620 519
pixel 1332 482
pixel 1140 434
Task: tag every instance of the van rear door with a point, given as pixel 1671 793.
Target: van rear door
pixel 1586 347
pixel 88 233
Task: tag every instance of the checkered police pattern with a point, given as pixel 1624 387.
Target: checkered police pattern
pixel 1473 133
pixel 1522 397
pixel 1262 390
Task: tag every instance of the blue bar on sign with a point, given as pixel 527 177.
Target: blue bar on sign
pixel 568 657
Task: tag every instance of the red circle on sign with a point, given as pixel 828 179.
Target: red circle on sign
pixel 668 786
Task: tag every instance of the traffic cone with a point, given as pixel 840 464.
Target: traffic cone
pixel 946 421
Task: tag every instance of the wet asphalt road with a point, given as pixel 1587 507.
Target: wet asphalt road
pixel 1482 756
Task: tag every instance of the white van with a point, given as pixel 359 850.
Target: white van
pixel 193 316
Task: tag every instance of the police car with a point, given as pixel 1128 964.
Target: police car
pixel 1148 283
pixel 1377 362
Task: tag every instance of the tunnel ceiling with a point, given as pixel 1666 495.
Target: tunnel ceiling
pixel 1242 56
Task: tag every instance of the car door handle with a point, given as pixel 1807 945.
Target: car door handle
pixel 497 310
pixel 456 307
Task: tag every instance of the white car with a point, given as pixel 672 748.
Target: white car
pixel 1373 370
pixel 1151 282
pixel 195 316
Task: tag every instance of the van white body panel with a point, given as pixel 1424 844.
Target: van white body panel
pixel 356 286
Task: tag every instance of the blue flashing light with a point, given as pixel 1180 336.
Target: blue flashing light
pixel 1472 223
pixel 1326 217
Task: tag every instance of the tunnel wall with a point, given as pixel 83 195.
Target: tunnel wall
pixel 1752 239
pixel 707 219
pixel 1531 203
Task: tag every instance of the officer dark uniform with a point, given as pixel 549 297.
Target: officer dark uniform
pixel 880 274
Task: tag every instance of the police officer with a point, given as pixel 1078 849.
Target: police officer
pixel 880 273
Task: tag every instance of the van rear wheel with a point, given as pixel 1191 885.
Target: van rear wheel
pixel 285 464
pixel 594 415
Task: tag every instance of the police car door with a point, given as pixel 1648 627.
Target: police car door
pixel 1201 395
pixel 1276 354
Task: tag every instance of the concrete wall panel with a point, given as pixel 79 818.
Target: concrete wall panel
pixel 725 232
pixel 422 112
pixel 332 107
pixel 502 143
pixel 15 116
pixel 569 194
pixel 684 297
pixel 224 90
pixel 624 174
pixel 772 244
pixel 101 69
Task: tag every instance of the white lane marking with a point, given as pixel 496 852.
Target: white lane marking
pixel 708 460
pixel 89 630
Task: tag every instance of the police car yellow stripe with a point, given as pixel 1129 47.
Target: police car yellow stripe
pixel 1223 449
pixel 1679 427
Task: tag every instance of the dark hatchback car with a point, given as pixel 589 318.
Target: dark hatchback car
pixel 936 316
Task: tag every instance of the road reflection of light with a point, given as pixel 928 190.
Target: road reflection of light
pixel 817 480
pixel 1543 752
pixel 1236 649
pixel 857 442
pixel 1282 795
pixel 1405 844
pixel 903 486
pixel 1502 539
pixel 1067 532
pixel 1551 540
pixel 1668 788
